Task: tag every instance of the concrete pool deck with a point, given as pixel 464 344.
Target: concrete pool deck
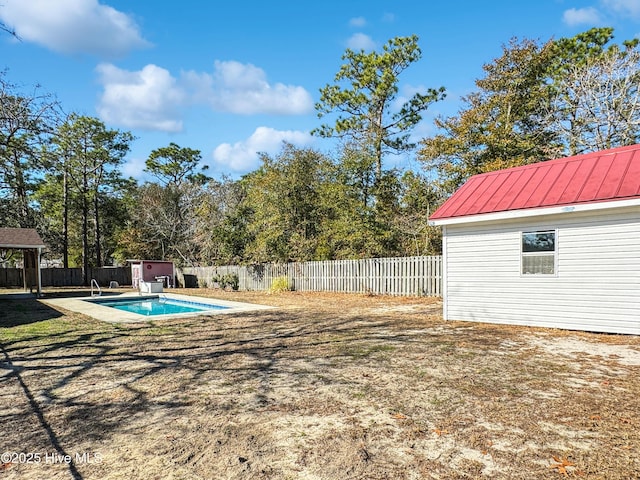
pixel 91 307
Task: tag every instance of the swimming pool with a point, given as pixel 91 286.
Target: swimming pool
pixel 151 306
pixel 191 306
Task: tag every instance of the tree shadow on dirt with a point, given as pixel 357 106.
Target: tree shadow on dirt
pixel 193 349
pixel 100 380
pixel 15 373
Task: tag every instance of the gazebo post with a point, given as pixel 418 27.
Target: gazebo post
pixel 38 272
pixel 29 256
pixel 24 269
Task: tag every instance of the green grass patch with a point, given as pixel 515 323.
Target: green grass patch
pixel 33 321
pixel 153 328
pixel 366 351
pixel 36 331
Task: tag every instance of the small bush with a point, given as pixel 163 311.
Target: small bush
pixel 227 280
pixel 233 281
pixel 280 284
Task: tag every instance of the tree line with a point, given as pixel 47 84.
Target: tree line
pixel 62 173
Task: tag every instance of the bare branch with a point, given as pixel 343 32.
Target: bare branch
pixel 599 104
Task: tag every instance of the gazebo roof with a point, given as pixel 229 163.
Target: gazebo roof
pixel 20 238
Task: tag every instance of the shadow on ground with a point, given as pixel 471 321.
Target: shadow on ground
pixel 18 310
pixel 337 389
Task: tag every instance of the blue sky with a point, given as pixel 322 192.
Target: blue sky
pixel 235 78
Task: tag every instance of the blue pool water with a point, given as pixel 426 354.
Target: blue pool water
pixel 151 306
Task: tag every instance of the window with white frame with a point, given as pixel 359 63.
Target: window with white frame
pixel 539 250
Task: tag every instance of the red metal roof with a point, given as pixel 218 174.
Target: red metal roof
pixel 593 177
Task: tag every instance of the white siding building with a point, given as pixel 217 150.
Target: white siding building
pixel 553 244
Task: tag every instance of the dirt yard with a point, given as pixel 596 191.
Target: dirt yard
pixel 322 387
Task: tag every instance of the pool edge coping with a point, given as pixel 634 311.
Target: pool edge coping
pixel 91 307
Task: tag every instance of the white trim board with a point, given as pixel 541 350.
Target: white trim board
pixel 535 212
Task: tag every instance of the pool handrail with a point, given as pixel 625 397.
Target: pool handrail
pixel 95 282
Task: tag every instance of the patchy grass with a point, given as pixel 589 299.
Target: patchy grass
pixel 323 387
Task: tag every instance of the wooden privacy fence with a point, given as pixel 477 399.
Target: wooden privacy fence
pixel 381 276
pixel 68 277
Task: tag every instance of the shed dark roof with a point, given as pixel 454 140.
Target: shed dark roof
pixel 20 238
pixel 594 177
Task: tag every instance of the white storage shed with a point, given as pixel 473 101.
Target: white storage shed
pixel 552 244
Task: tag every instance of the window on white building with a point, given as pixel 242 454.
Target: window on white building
pixel 539 252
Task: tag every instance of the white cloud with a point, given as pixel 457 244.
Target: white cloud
pixel 147 99
pixel 152 98
pixel 360 41
pixel 243 88
pixel 243 156
pixel 627 8
pixel 580 16
pixel 607 10
pixel 73 26
pixel 134 167
pixel 357 22
pixel 388 17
